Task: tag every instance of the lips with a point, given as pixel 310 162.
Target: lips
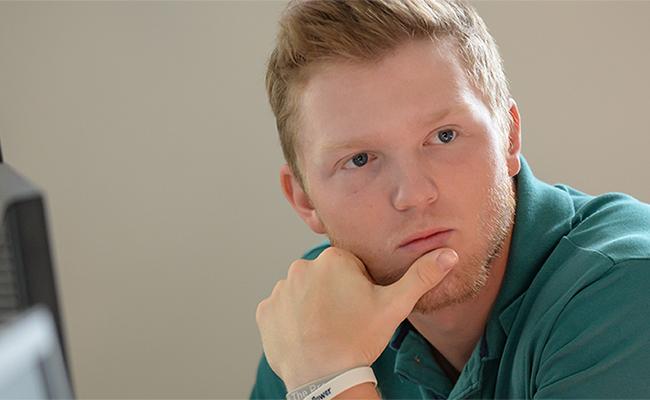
pixel 426 240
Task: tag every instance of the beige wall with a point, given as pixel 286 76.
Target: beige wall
pixel 147 125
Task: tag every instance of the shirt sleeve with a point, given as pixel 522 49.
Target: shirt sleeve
pixel 600 345
pixel 267 384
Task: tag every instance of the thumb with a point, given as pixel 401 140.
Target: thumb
pixel 424 274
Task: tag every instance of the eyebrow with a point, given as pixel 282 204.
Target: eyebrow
pixel 360 143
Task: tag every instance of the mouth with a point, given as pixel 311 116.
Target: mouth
pixel 427 240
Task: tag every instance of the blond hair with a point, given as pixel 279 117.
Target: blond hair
pixel 313 32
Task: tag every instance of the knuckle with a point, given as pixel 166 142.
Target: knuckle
pixel 335 256
pixel 335 259
pixel 329 252
pixel 335 253
pixel 278 287
pixel 260 311
pixel 295 268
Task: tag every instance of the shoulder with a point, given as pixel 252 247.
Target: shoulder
pixel 597 343
pixel 606 245
pixel 615 225
pixel 583 321
pixel 606 236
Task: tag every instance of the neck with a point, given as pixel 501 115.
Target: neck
pixel 455 330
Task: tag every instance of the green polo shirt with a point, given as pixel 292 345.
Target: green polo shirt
pixel 572 319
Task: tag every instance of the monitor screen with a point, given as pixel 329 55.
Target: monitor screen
pixel 31 364
pixel 27 274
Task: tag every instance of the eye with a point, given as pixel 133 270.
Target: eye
pixel 446 135
pixel 358 160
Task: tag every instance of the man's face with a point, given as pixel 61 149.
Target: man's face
pixel 401 149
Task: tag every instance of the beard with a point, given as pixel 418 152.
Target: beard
pixel 469 276
pixel 472 271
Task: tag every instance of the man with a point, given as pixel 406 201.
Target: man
pixel 453 272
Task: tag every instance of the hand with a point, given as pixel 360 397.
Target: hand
pixel 328 315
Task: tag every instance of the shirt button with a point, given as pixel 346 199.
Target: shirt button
pixel 417 359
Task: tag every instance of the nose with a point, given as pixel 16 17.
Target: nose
pixel 415 186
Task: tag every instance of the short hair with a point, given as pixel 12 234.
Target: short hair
pixel 314 32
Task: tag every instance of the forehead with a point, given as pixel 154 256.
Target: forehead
pixel 402 90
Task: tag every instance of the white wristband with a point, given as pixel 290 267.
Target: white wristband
pixel 343 382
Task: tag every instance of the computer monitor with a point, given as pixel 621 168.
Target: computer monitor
pixel 31 364
pixel 27 275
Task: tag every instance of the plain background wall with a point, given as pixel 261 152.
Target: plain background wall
pixel 146 123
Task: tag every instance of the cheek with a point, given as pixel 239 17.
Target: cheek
pixel 352 193
pixel 465 189
pixel 353 214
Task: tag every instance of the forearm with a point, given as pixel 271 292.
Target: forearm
pixel 363 391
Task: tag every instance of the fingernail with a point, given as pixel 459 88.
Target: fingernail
pixel 446 260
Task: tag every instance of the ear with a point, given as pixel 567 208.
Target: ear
pixel 514 137
pixel 299 200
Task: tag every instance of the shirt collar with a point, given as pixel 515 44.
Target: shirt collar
pixel 544 215
pixel 398 337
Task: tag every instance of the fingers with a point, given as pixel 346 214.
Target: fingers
pixel 424 274
pixel 343 257
pixel 332 260
pixel 261 306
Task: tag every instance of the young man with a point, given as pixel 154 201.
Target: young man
pixel 453 272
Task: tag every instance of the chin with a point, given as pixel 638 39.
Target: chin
pixel 459 286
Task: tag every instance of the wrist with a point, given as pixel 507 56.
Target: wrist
pixel 304 378
pixel 300 392
pixel 328 388
pixel 362 391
